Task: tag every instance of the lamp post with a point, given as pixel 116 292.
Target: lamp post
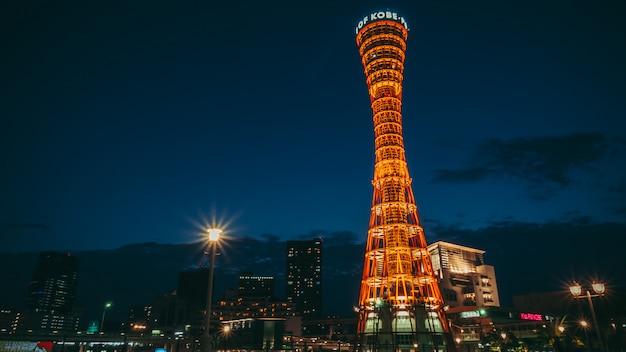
pixel 585 326
pixel 107 305
pixel 214 235
pixel 576 290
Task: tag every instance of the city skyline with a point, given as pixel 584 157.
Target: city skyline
pixel 136 123
pixel 550 304
pixel 157 267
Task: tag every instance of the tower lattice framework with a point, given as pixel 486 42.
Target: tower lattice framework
pixel 400 304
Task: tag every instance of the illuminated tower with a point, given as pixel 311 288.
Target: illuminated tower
pixel 400 304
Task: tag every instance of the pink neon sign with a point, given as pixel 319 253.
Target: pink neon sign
pixel 530 316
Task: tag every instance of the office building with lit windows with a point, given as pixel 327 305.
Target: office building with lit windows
pixel 256 286
pixel 51 294
pixel 304 277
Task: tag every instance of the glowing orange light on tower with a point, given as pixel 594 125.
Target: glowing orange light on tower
pixel 400 302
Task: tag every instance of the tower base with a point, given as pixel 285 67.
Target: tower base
pixel 404 329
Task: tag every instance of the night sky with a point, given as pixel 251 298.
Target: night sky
pixel 127 122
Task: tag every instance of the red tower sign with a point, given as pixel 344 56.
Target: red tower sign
pixel 400 304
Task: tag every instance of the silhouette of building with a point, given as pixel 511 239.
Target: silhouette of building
pixel 255 334
pixel 464 278
pixel 184 308
pixel 192 287
pixel 169 313
pixel 334 328
pixel 139 318
pixel 254 298
pixel 51 295
pixel 304 277
pixel 553 303
pixel 256 286
pixel 400 303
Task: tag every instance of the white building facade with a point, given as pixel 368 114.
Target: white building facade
pixel 464 278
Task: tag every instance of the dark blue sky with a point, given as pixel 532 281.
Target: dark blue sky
pixel 125 122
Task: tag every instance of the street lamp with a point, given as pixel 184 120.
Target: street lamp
pixel 585 327
pixel 214 235
pixel 107 305
pixel 577 290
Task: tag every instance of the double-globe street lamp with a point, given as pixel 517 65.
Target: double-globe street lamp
pixel 598 288
pixel 205 343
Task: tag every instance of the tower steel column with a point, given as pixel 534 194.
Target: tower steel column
pixel 400 304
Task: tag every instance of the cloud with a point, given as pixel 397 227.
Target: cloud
pixel 270 237
pixel 618 210
pixel 546 164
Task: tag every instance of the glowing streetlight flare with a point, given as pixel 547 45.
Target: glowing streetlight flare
pixel 576 289
pixel 214 234
pixel 598 287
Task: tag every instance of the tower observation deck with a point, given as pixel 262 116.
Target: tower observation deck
pixel 400 304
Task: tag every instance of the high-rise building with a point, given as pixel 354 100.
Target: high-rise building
pixel 464 278
pixel 169 313
pixel 186 306
pixel 304 276
pixel 51 294
pixel 53 286
pixel 400 303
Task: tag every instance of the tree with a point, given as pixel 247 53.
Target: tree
pixel 502 340
pixel 559 336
